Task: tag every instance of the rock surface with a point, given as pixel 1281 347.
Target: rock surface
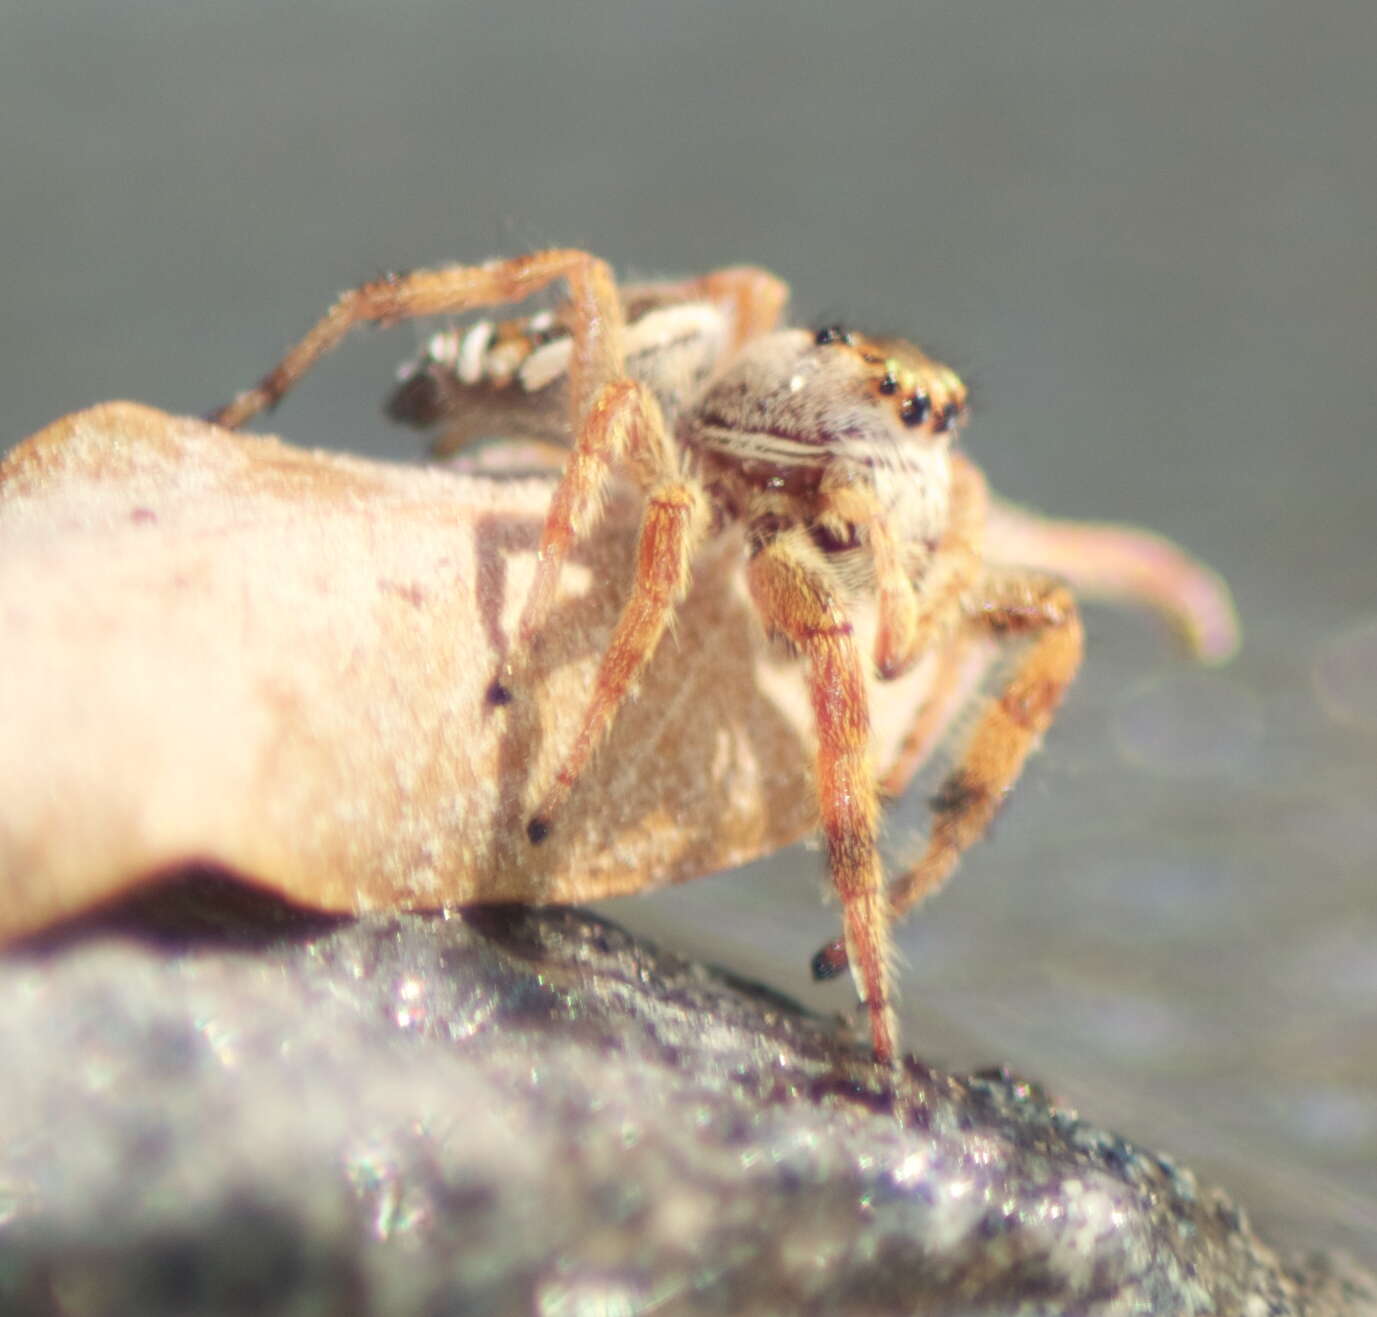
pixel 516 1111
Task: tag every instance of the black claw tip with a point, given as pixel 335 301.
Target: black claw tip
pixel 956 795
pixel 537 830
pixel 829 962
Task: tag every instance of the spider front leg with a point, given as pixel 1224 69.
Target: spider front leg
pixel 899 634
pixel 788 582
pixel 913 618
pixel 1010 604
pixel 953 573
pixel 675 520
pixel 959 666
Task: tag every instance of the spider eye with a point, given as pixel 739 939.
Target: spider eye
pixel 914 409
pixel 831 334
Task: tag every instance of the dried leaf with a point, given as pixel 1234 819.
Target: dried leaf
pixel 222 650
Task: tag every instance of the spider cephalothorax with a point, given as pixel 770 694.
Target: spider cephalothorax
pixel 835 453
pixel 829 433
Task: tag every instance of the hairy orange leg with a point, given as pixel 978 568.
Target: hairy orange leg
pixel 957 673
pixel 794 600
pixel 1010 726
pixel 624 420
pixel 598 347
pixel 913 620
pixel 899 638
pixel 675 520
pixel 845 506
pixel 1007 730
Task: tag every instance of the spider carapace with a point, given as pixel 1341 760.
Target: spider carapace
pixel 835 453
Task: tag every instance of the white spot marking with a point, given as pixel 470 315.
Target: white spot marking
pixel 545 365
pixel 441 346
pixel 471 352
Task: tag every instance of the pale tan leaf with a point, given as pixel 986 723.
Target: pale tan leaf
pixel 219 649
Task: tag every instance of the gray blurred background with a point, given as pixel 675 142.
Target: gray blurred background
pixel 1144 233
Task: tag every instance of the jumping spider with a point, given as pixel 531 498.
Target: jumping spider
pixel 835 452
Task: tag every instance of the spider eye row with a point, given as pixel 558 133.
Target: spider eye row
pixel 916 407
pixel 833 334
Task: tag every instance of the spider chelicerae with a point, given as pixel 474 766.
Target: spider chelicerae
pixel 836 453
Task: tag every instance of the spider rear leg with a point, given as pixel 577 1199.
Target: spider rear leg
pixel 755 298
pixel 1010 726
pixel 1127 564
pixel 794 600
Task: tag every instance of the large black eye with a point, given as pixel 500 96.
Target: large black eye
pixel 914 410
